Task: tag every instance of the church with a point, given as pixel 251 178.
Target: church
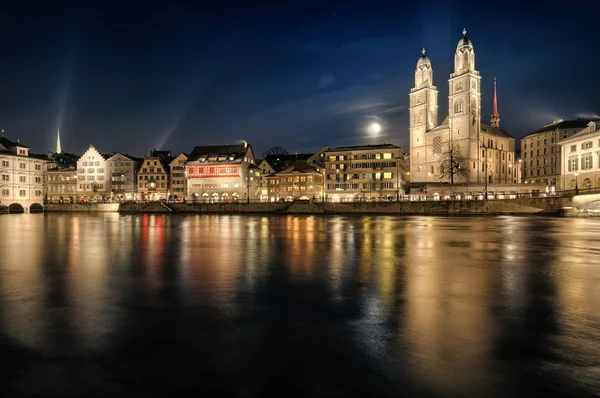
pixel 478 153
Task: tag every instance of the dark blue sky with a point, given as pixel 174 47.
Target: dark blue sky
pixel 170 75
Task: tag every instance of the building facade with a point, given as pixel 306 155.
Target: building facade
pixel 178 179
pixel 483 152
pixel 300 181
pixel 541 151
pixel 61 184
pixel 265 170
pixel 21 177
pixel 370 172
pixel 154 176
pixel 93 178
pixel 580 159
pixel 222 173
pixel 122 170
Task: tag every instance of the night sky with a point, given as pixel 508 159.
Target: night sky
pixel 168 75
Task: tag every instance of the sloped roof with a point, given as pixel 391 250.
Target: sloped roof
pixel 237 150
pixel 582 134
pixel 564 125
pixel 495 131
pixel 8 143
pixel 363 147
pixel 300 166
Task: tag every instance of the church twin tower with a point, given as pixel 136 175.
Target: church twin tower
pixel 461 132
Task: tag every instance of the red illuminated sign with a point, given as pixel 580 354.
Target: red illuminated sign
pixel 213 171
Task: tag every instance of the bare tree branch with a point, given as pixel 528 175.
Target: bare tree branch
pixel 453 166
pixel 276 150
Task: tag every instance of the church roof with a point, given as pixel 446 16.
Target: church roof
pixel 423 59
pixel 495 131
pixel 464 41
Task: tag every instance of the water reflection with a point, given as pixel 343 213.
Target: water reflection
pixel 348 305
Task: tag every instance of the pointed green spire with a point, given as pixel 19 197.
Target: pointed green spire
pixel 58 148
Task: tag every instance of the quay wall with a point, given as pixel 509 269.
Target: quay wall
pixel 550 205
pixel 81 207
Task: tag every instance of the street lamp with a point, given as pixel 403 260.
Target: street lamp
pixel 576 186
pixel 509 172
pixel 251 172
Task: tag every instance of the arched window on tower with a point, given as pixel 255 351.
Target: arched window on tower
pixel 458 106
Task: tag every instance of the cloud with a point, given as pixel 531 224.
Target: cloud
pixel 334 117
pixel 326 80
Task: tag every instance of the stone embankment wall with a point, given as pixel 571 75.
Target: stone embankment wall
pixel 82 207
pixel 552 205
pixel 457 207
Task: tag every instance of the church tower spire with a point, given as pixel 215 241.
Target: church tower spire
pixel 58 148
pixel 495 119
pixel 423 114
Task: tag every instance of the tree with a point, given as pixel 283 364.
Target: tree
pixel 453 165
pixel 276 150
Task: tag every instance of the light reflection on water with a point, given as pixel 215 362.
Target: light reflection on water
pixel 334 306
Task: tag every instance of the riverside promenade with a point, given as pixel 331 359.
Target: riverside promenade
pixel 519 206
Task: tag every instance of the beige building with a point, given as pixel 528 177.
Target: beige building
pixel 540 151
pixel 222 173
pixel 154 176
pixel 580 159
pixel 93 178
pixel 265 170
pixel 61 184
pixel 370 172
pixel 21 177
pixel 122 171
pixel 484 151
pixel 300 181
pixel 178 179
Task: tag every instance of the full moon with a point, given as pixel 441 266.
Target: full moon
pixel 375 128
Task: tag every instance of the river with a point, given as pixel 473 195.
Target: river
pixel 255 306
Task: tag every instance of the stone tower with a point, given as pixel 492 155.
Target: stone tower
pixel 423 110
pixel 464 107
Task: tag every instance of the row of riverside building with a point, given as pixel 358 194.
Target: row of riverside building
pixel 568 155
pixel 214 174
pixel 459 157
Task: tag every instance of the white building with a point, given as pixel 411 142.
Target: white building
pixel 486 151
pixel 21 177
pixel 580 159
pixel 122 172
pixel 93 177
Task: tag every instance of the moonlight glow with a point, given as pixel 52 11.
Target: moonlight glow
pixel 375 128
